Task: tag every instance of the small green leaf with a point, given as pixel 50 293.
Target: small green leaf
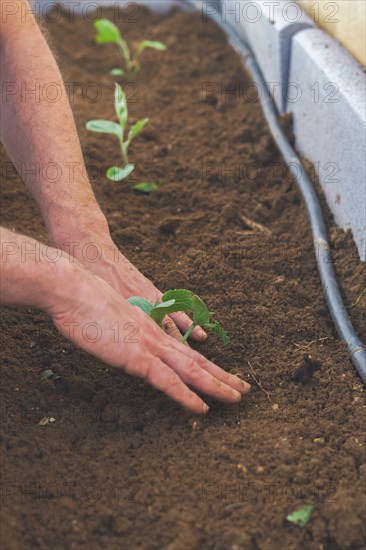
pixel 136 129
pixel 115 173
pixel 120 105
pixel 201 315
pixel 104 127
pixel 182 300
pixel 166 304
pixel 182 297
pixel 217 330
pixel 163 309
pixel 117 72
pixel 50 375
pixel 46 374
pixel 107 32
pixel 301 516
pixel 141 303
pixel 150 44
pixel 145 187
pixel 160 310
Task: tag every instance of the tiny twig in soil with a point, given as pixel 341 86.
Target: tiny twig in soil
pixel 301 348
pixel 255 225
pixel 259 383
pixel 358 299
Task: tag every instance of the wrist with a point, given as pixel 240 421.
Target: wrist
pixel 34 274
pixel 68 227
pixel 61 282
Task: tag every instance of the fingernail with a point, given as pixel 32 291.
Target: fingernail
pixel 200 333
pixel 205 408
pixel 237 395
pixel 247 386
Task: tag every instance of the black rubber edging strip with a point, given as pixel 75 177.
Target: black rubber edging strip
pixel 323 255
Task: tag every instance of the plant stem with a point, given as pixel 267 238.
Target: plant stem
pixel 189 332
pixel 124 147
pixel 122 45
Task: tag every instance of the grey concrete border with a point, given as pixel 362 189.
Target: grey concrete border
pixel 268 27
pixel 330 125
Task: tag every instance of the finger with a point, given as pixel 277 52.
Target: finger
pixel 183 322
pixel 164 379
pixel 229 379
pixel 218 373
pixel 171 329
pixel 191 373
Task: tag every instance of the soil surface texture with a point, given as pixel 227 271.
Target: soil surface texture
pixel 122 466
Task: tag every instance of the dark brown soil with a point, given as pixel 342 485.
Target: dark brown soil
pixel 122 467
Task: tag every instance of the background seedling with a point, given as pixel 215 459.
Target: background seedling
pixel 148 187
pixel 115 173
pixel 181 300
pixel 50 375
pixel 108 33
pixel 301 516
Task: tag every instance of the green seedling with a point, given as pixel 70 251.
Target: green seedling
pixel 181 300
pixel 50 375
pixel 108 33
pixel 148 187
pixel 115 173
pixel 301 516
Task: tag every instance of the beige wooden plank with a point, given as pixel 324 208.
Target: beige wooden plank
pixel 343 19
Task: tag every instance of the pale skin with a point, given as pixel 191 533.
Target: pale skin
pixel 73 290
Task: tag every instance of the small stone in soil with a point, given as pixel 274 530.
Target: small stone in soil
pixel 242 468
pixel 279 280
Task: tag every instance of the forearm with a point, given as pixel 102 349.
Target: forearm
pixel 40 136
pixel 33 274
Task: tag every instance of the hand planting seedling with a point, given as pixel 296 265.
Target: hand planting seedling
pixel 108 33
pixel 187 302
pixel 115 173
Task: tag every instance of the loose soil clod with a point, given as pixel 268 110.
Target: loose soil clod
pixel 306 370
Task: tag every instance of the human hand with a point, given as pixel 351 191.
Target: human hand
pixel 107 262
pixel 97 319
